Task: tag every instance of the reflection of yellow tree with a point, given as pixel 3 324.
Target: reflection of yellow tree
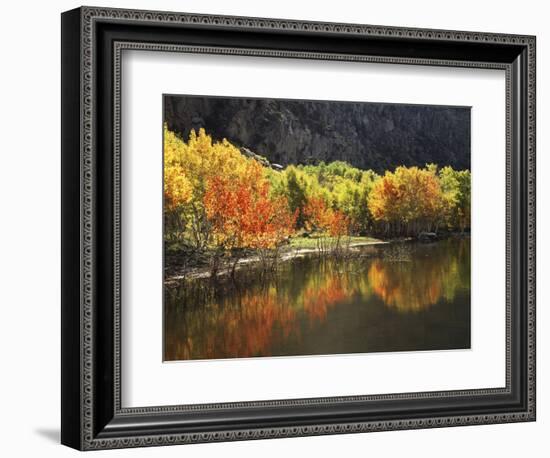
pixel 396 284
pixel 418 284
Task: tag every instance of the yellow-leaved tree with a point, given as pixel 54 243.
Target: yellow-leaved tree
pixel 407 201
pixel 188 167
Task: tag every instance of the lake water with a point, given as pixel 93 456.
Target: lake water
pixel 396 297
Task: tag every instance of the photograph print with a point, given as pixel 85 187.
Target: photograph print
pixel 310 227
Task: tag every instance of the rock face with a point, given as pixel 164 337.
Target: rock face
pixel 366 135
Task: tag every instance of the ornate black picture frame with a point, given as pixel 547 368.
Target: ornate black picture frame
pixel 92 42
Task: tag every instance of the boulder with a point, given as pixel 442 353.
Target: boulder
pixel 427 237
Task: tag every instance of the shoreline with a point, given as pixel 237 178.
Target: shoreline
pixel 195 273
pixel 285 256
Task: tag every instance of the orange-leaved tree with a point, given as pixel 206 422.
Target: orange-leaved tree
pixel 243 214
pixel 325 221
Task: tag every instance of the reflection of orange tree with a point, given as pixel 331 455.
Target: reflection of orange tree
pixel 251 321
pixel 331 284
pixel 318 300
pixel 238 330
pixel 260 312
pixel 400 285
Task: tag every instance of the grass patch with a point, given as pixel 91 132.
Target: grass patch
pixel 311 242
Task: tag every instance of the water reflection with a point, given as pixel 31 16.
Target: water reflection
pixel 402 297
pixel 420 278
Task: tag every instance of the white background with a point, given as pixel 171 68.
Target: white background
pixel 148 75
pixel 30 244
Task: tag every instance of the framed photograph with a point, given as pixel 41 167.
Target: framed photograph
pixel 276 228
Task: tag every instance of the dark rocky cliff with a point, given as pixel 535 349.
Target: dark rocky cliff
pixel 367 135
